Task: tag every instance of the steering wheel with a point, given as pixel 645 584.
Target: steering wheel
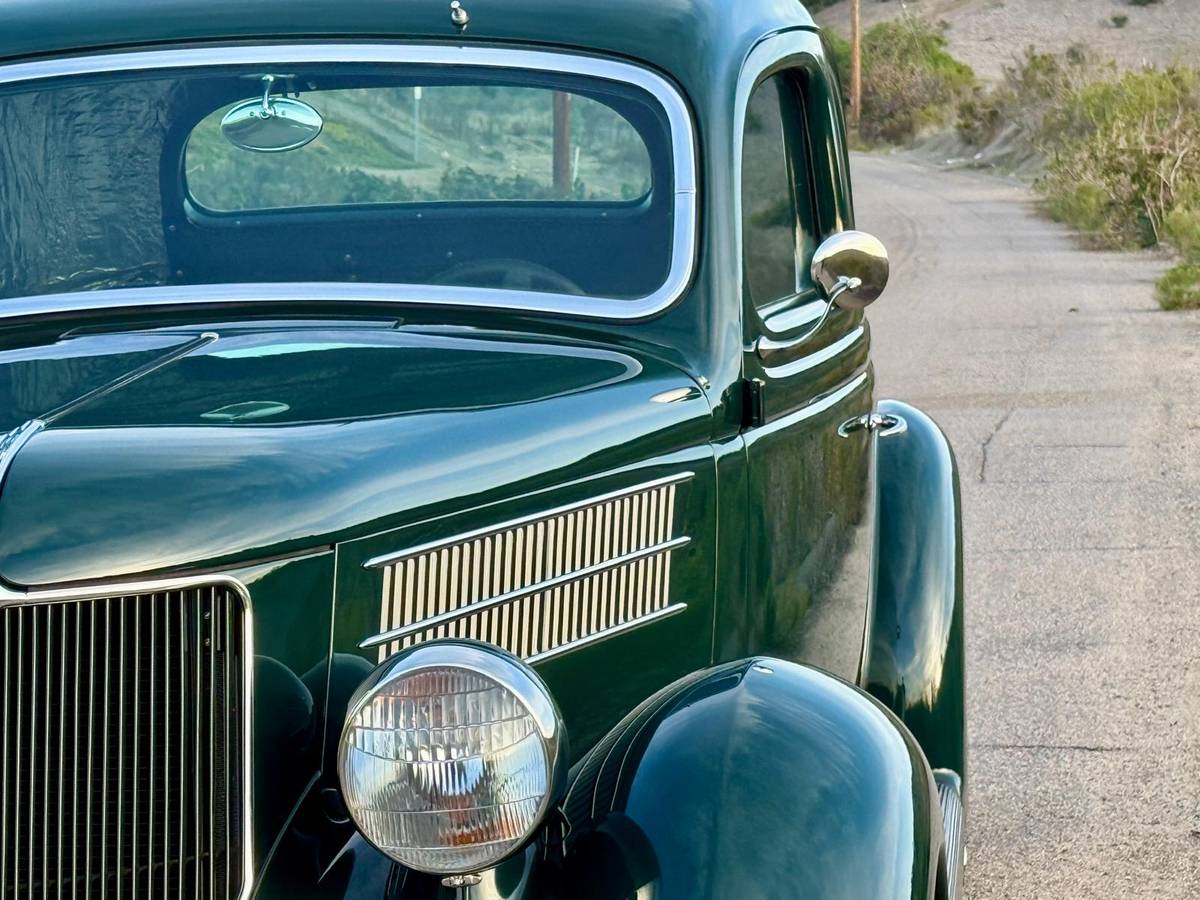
pixel 511 274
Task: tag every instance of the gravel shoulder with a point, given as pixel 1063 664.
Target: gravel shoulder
pixel 1071 402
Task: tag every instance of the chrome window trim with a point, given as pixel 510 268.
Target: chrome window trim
pixel 96 591
pixel 783 52
pixel 683 149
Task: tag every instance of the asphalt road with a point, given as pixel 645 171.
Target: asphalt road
pixel 1074 407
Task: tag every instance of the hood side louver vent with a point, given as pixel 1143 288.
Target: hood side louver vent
pixel 541 585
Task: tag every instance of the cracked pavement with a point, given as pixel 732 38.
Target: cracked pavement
pixel 1071 403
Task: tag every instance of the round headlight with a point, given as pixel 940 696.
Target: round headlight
pixel 452 754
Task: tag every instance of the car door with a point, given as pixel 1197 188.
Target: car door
pixel 809 515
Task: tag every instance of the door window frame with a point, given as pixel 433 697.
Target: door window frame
pixel 793 124
pixel 825 168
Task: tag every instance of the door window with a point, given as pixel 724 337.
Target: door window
pixel 777 233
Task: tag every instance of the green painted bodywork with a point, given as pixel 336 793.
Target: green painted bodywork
pixel 845 797
pixel 373 448
pixel 915 660
pixel 417 424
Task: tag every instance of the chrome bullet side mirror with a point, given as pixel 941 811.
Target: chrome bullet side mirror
pixel 852 269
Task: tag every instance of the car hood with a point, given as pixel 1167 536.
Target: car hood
pixel 224 443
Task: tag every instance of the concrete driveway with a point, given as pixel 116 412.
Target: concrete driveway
pixel 1074 407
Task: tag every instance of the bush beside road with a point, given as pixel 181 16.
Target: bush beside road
pixel 1120 152
pixel 910 83
pixel 1114 153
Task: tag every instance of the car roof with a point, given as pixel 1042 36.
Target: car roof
pixel 668 34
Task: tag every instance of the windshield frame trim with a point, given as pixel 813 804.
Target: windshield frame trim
pixel 684 164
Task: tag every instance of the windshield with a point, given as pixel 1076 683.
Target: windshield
pixel 404 174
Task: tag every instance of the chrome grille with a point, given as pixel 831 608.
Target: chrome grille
pixel 123 729
pixel 541 585
pixel 952 826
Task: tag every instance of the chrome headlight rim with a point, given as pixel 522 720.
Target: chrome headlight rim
pixel 506 671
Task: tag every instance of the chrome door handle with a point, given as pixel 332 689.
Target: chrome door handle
pixel 881 424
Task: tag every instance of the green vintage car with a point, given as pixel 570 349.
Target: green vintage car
pixel 440 458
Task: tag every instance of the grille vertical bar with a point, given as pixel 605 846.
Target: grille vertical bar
pixel 122 746
pixel 5 634
pixel 950 797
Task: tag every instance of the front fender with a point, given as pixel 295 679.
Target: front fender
pixel 914 654
pixel 760 778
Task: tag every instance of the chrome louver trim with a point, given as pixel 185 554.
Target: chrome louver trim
pixel 125 721
pixel 539 585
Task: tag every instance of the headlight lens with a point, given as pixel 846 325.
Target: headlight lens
pixel 451 756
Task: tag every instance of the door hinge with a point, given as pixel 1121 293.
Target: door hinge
pixel 752 403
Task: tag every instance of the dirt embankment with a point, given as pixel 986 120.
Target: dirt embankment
pixel 987 34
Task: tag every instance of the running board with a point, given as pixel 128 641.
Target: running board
pixel 949 787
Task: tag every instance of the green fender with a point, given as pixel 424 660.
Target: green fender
pixel 760 778
pixel 914 653
pixel 754 779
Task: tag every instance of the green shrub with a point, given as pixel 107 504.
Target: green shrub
pixel 1083 206
pixel 910 81
pixel 1119 21
pixel 837 48
pixel 981 116
pixel 1181 228
pixel 1179 288
pixel 1123 152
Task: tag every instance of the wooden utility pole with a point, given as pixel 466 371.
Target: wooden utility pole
pixel 855 63
pixel 562 143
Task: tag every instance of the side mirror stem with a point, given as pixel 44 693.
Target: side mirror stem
pixel 773 352
pixel 844 283
pixel 851 269
pixel 267 112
